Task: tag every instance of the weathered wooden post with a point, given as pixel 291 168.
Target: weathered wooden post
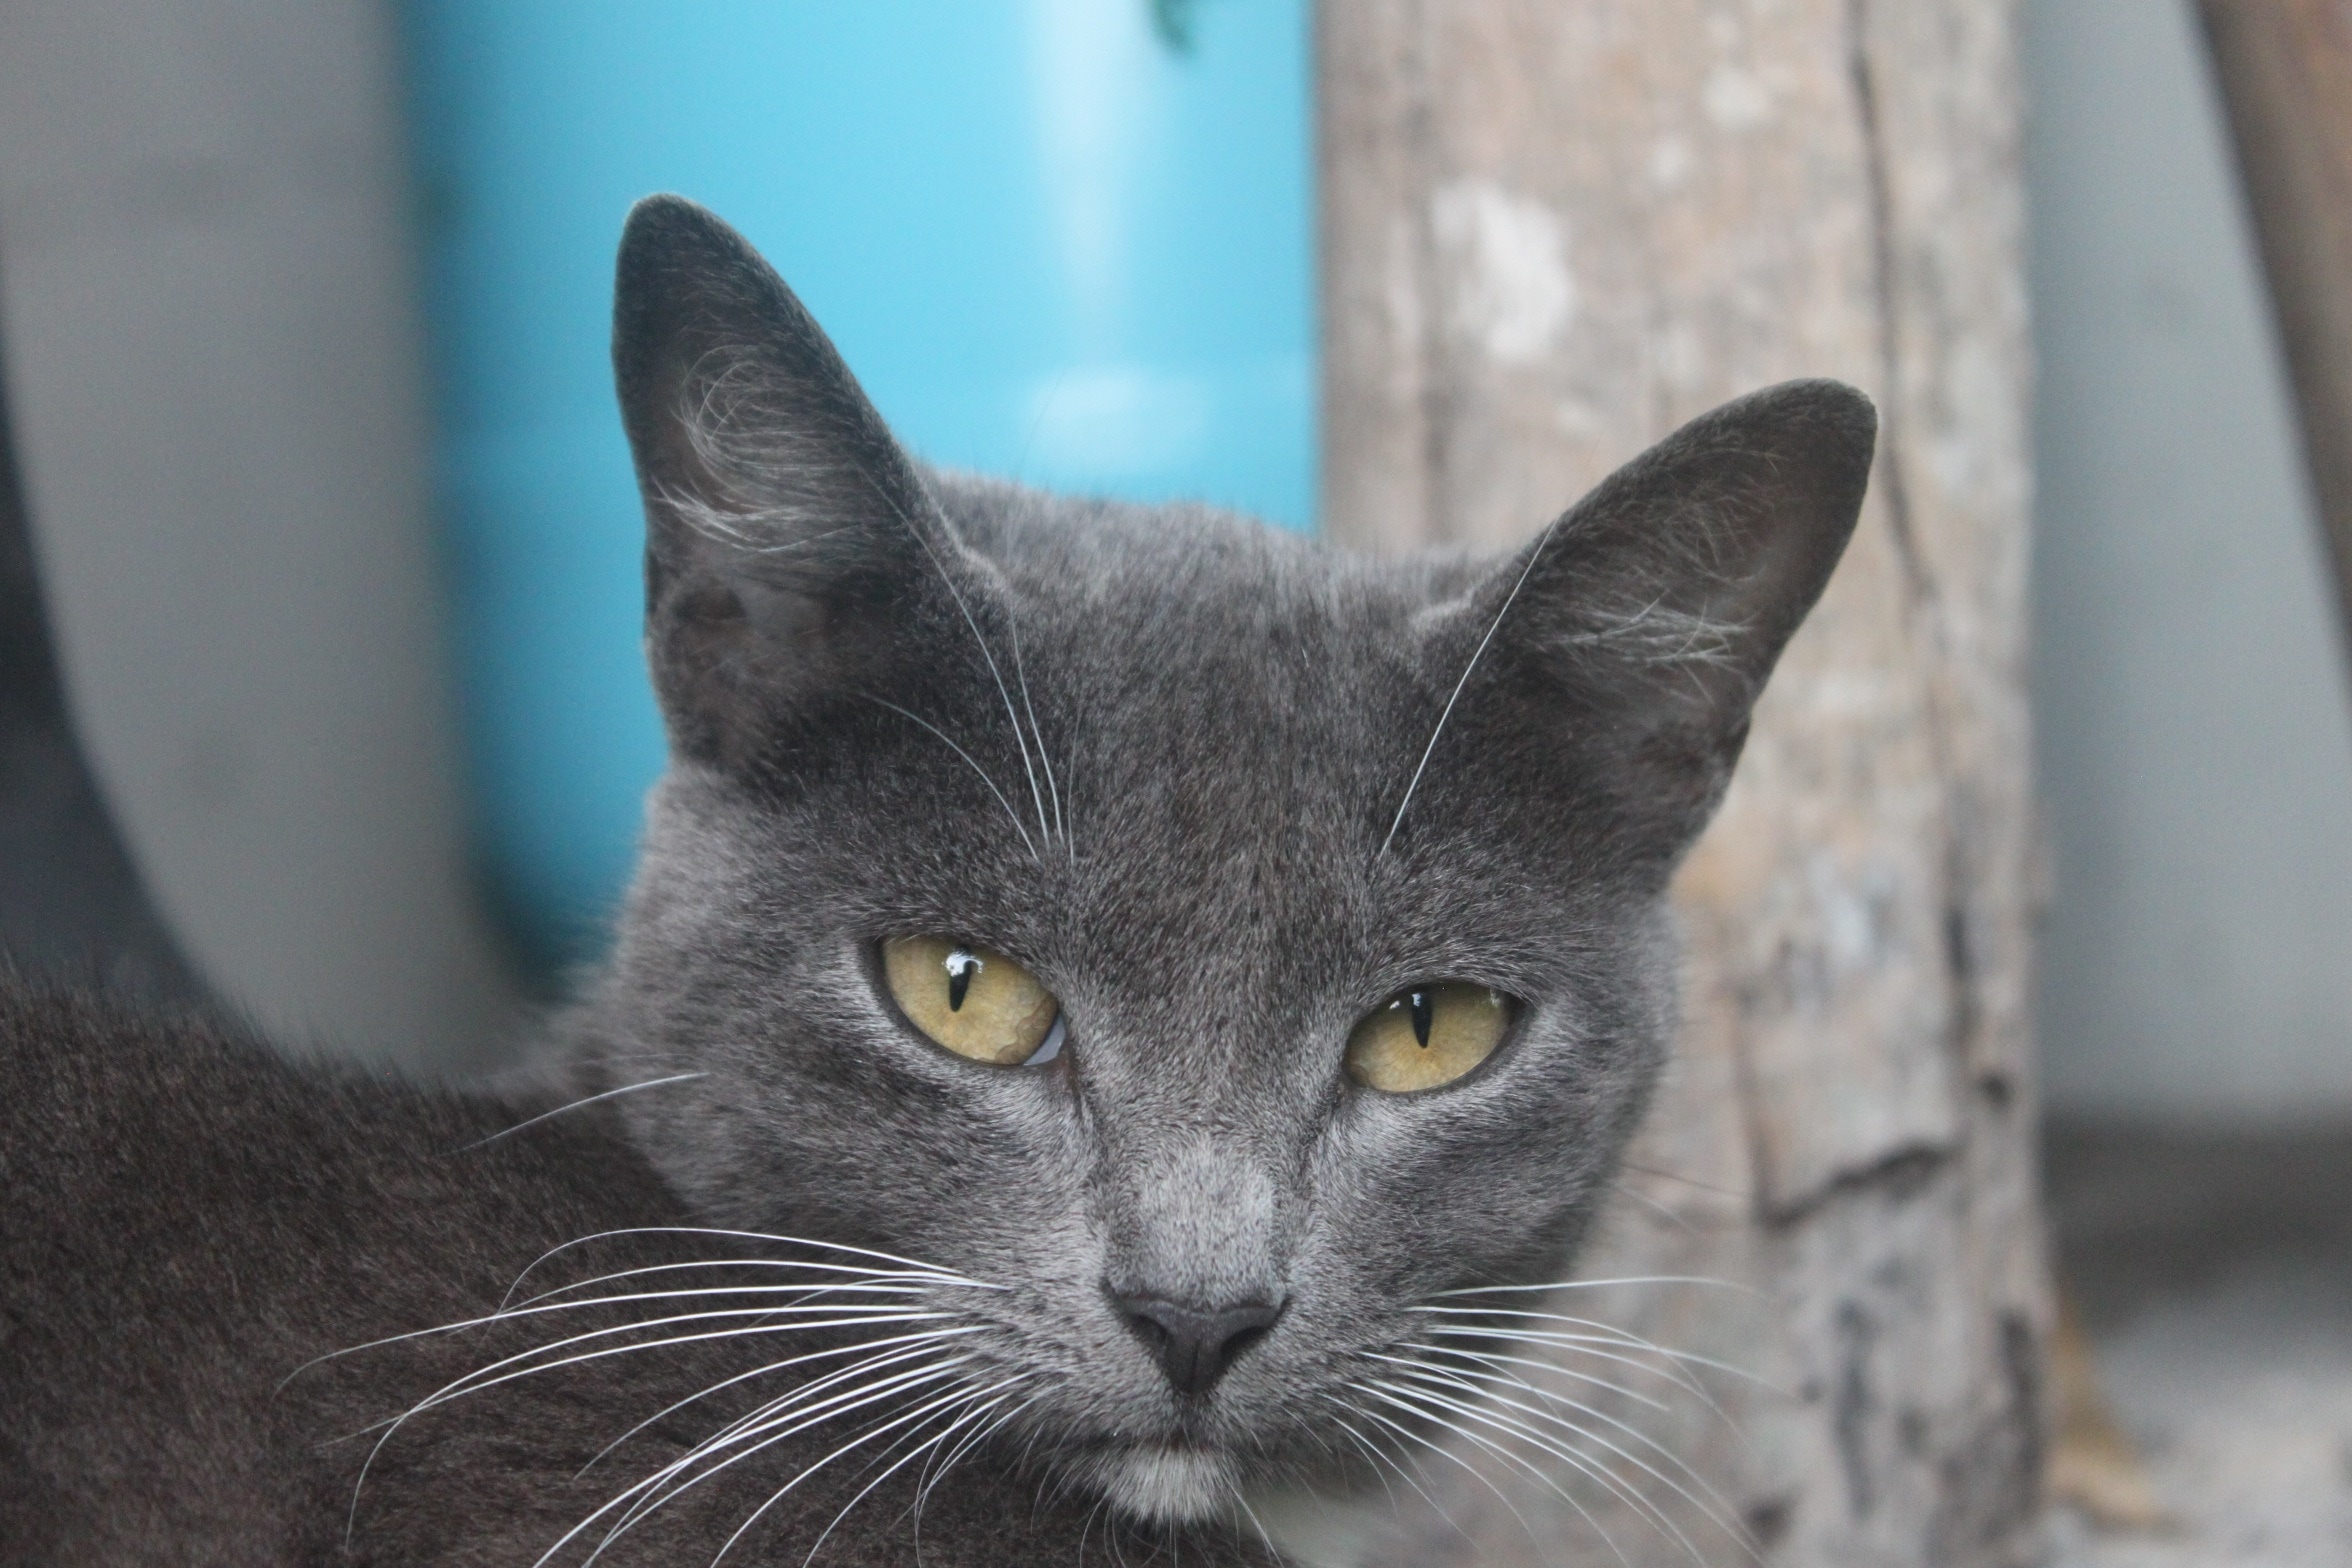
pixel 1553 230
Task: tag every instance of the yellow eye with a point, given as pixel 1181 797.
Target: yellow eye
pixel 1426 1035
pixel 973 1000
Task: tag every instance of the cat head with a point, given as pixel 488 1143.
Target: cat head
pixel 1215 943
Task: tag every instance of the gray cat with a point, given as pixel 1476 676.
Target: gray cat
pixel 1105 987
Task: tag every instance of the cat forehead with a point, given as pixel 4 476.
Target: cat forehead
pixel 1156 599
pixel 1212 695
pixel 1189 653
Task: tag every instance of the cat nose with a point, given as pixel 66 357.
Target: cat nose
pixel 1195 1344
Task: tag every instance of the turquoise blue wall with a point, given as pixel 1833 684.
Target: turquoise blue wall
pixel 1065 240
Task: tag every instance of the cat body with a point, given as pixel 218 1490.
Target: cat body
pixel 1211 977
pixel 198 1240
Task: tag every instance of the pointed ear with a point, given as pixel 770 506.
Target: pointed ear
pixel 791 548
pixel 1642 624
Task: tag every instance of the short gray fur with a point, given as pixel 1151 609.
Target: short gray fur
pixel 1223 790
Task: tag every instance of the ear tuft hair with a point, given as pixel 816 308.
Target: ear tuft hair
pixel 787 535
pixel 1642 624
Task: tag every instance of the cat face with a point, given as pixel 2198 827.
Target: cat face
pixel 1177 807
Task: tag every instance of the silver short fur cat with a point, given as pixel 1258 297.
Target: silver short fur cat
pixel 1223 791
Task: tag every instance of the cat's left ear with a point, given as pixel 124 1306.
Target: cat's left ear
pixel 1641 626
pixel 793 556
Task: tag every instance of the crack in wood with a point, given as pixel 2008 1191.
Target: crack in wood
pixel 1855 1403
pixel 1863 78
pixel 1900 1174
pixel 1926 604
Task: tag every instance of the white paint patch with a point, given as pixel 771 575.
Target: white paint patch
pixel 1400 281
pixel 1576 417
pixel 1856 909
pixel 1671 163
pixel 1506 258
pixel 1681 359
pixel 1968 453
pixel 1735 100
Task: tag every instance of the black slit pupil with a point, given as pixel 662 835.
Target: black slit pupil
pixel 961 967
pixel 1424 1007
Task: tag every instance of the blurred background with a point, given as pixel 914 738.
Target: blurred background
pixel 306 318
pixel 303 314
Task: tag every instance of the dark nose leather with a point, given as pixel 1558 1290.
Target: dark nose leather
pixel 1195 1344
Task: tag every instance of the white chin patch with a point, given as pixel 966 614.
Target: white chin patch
pixel 1167 1485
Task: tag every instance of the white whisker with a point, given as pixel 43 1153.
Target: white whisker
pixel 540 1306
pixel 897 1341
pixel 1587 1345
pixel 806 1396
pixel 920 1413
pixel 1265 1536
pixel 721 1234
pixel 903 1282
pixel 929 1446
pixel 627 1088
pixel 1596 1284
pixel 874 1313
pixel 1013 816
pixel 1435 1418
pixel 1708 1508
pixel 1443 1452
pixel 1654 1206
pixel 1600 1333
pixel 1432 1403
pixel 480 1379
pixel 1485 1384
pixel 1020 675
pixel 1486 1373
pixel 965 610
pixel 783 1427
pixel 971 1441
pixel 1378 1459
pixel 507 1312
pixel 1491 1358
pixel 1476 654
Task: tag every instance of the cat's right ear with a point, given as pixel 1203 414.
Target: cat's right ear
pixel 792 552
pixel 1638 630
